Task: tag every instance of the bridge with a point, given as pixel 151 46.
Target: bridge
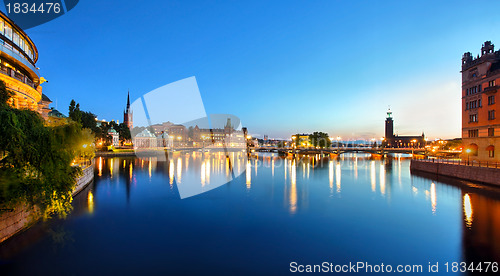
pixel 342 150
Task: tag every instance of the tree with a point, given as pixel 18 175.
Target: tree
pixel 36 167
pixel 74 112
pixel 319 139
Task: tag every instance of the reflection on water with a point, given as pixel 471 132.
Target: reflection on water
pixel 343 209
pixel 467 211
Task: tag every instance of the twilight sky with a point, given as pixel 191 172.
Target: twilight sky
pixel 281 66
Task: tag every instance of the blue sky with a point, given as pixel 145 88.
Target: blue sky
pixel 281 66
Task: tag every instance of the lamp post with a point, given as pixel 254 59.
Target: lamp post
pixel 468 154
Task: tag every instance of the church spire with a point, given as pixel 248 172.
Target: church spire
pixel 128 100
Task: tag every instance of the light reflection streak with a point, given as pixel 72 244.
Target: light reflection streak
pixel 179 170
pixel 468 211
pixel 382 178
pixel 433 197
pixel 293 188
pixel 111 168
pixel 130 170
pixel 171 172
pixel 90 201
pixel 249 174
pixel 100 166
pixel 330 174
pixel 338 174
pixel 373 175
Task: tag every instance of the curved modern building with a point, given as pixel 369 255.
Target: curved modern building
pixel 18 55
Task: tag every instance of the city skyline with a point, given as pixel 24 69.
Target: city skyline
pixel 282 68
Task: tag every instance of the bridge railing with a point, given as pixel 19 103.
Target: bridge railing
pixel 472 163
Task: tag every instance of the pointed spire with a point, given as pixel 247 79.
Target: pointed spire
pixel 128 99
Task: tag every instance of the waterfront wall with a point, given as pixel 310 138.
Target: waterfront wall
pixel 85 179
pixel 476 174
pixel 14 221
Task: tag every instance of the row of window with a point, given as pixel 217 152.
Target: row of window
pixel 475 132
pixel 473 90
pixel 474 119
pixel 477 88
pixel 473 104
pixel 491 100
pixel 7 30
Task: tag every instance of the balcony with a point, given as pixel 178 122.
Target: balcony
pixel 16 75
pixel 6 48
pixel 490 89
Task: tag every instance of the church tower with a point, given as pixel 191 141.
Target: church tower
pixel 127 114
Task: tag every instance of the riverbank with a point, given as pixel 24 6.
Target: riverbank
pixel 485 174
pixel 21 217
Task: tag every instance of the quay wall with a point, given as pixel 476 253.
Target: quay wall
pixel 477 174
pixel 20 217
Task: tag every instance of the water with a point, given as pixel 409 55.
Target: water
pixel 131 220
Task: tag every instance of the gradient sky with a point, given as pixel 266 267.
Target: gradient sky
pixel 281 66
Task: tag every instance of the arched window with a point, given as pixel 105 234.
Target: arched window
pixel 491 151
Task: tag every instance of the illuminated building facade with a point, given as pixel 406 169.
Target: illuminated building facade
pixel 480 124
pixel 18 56
pixel 396 141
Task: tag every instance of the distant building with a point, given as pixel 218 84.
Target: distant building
pixel 56 118
pixel 396 141
pixel 115 136
pixel 218 137
pixel 145 139
pixel 301 140
pixel 128 119
pixel 480 125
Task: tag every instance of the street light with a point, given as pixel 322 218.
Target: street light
pixel 468 154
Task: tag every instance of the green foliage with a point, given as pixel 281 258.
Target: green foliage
pixel 37 167
pixel 74 112
pixel 319 139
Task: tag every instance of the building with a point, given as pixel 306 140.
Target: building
pixel 18 55
pixel 396 141
pixel 218 137
pixel 145 140
pixel 128 119
pixel 115 137
pixel 480 125
pixel 301 140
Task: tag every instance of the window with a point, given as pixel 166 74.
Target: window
pixel 1 26
pixel 491 83
pixel 479 89
pixel 491 115
pixel 466 105
pixel 479 103
pixel 491 100
pixel 473 118
pixel 491 151
pixel 473 133
pixel 15 38
pixel 491 132
pixel 8 31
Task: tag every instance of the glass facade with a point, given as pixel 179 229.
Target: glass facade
pixel 17 38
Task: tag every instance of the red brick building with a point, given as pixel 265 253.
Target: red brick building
pixel 480 103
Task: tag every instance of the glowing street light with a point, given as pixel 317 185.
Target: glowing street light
pixel 468 151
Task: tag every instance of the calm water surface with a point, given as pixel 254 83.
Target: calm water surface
pixel 131 221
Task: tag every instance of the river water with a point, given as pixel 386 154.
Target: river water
pixel 131 221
